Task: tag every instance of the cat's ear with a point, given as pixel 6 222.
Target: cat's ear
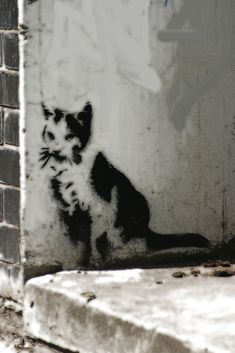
pixel 85 115
pixel 88 109
pixel 47 113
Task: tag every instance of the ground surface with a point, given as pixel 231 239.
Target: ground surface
pixel 184 310
pixel 12 338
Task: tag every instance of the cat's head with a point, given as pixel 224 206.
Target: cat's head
pixel 65 134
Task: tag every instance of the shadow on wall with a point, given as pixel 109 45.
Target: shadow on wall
pixel 195 52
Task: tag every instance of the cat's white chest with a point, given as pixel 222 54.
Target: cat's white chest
pixel 76 188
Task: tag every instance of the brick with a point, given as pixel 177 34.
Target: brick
pixel 11 281
pixel 9 167
pixel 11 206
pixel 8 14
pixel 1 126
pixel 9 244
pixel 11 128
pixel 9 84
pixel 10 53
pixel 1 205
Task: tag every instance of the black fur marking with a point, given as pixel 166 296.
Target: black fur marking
pixel 102 245
pixel 79 228
pixel 50 135
pixel 102 177
pixel 44 132
pixel 56 155
pixel 58 115
pixel 133 214
pixel 80 125
pixel 55 185
pixel 59 173
pixel 78 225
pixel 166 241
pixel 76 155
pixel 132 209
pixel 46 111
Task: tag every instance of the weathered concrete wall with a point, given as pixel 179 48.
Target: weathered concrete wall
pixel 159 81
pixel 10 274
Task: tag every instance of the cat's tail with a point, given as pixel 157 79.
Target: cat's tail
pixel 166 241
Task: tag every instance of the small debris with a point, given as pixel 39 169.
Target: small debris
pixel 11 305
pixel 179 274
pixel 19 343
pixel 217 263
pixel 195 273
pixel 223 263
pixel 89 296
pixel 159 282
pixel 210 264
pixel 26 345
pixel 223 273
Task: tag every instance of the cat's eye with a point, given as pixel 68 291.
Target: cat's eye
pixel 69 137
pixel 51 135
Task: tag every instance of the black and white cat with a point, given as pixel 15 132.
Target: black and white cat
pixel 97 203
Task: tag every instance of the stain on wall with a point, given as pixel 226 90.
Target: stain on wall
pixel 188 27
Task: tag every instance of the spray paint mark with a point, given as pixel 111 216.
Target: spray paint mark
pixel 84 181
pixel 192 13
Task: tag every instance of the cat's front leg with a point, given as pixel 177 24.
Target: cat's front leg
pixel 57 193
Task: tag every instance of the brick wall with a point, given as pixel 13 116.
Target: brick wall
pixel 9 133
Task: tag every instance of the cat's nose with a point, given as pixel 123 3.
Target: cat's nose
pixel 57 151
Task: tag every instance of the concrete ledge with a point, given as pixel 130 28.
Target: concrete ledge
pixel 133 311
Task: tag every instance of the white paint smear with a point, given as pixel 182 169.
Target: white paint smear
pixel 106 37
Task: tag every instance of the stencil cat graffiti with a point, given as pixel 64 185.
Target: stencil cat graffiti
pixel 97 203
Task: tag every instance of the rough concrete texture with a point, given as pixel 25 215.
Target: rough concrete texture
pixel 12 337
pixel 134 311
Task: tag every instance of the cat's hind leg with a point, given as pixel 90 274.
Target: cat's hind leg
pixel 102 245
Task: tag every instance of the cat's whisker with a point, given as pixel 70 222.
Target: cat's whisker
pixel 76 157
pixel 45 152
pixel 76 153
pixel 45 156
pixel 46 161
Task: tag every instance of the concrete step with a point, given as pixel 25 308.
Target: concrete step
pixel 134 311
